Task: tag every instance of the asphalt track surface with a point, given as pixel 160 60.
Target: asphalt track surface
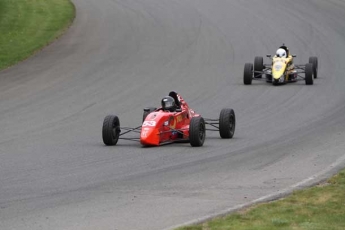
pixel 120 56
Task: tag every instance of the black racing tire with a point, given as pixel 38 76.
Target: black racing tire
pixel 111 130
pixel 227 123
pixel 248 74
pixel 309 74
pixel 147 111
pixel 315 63
pixel 258 66
pixel 197 131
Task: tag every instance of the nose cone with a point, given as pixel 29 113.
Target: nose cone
pixel 278 69
pixel 277 75
pixel 149 136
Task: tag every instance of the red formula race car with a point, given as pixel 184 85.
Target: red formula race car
pixel 173 122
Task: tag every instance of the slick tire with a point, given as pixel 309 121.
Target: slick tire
pixel 314 61
pixel 309 74
pixel 111 130
pixel 227 123
pixel 197 131
pixel 248 74
pixel 147 111
pixel 258 66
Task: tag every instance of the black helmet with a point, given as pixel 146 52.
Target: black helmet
pixel 168 103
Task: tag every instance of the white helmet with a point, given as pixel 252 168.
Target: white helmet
pixel 281 53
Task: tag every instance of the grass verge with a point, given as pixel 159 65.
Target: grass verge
pixel 320 207
pixel 28 25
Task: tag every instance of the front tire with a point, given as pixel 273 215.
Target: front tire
pixel 314 61
pixel 258 66
pixel 248 74
pixel 309 74
pixel 111 130
pixel 197 131
pixel 227 123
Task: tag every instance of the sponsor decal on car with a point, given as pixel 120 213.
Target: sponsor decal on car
pixel 179 118
pixel 172 123
pixel 149 123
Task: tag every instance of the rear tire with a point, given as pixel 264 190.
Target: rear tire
pixel 111 130
pixel 315 63
pixel 258 66
pixel 309 74
pixel 248 74
pixel 227 123
pixel 197 131
pixel 147 111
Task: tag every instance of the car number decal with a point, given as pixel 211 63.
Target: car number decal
pixel 149 123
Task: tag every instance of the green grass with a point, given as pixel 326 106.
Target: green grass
pixel 28 25
pixel 316 208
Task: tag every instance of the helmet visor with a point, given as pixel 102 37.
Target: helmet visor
pixel 281 53
pixel 168 104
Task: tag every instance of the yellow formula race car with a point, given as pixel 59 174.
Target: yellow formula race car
pixel 281 70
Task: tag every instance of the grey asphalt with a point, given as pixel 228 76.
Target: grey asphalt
pixel 122 55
